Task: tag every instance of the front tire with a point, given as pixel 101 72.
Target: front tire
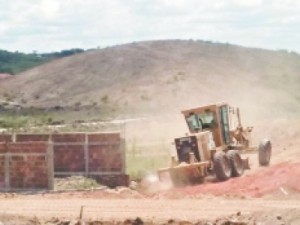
pixel 222 166
pixel 236 163
pixel 264 152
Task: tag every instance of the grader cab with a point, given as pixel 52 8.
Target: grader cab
pixel 214 145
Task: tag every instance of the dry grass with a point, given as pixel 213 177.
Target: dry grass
pixel 164 76
pixel 75 183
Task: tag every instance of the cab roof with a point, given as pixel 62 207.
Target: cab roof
pixel 203 108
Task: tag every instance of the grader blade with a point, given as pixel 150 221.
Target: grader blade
pixel 184 174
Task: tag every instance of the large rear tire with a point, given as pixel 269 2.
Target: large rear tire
pixel 236 163
pixel 222 166
pixel 264 152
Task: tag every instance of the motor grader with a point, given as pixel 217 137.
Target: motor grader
pixel 214 146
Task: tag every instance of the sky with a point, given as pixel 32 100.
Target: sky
pixel 54 25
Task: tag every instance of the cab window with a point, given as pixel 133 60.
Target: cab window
pixel 194 123
pixel 200 121
pixel 207 119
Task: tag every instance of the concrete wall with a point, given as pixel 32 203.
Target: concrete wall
pixel 97 155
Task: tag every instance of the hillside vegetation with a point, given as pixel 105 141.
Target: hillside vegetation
pixel 165 76
pixel 16 62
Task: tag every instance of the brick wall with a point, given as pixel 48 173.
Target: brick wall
pixel 25 166
pixel 32 137
pixel 98 155
pixel 105 153
pixel 6 138
pixel 68 158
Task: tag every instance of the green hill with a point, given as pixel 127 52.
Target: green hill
pixel 16 62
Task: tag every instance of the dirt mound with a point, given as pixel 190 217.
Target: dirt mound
pixel 282 178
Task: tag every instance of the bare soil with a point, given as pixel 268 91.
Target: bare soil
pixel 208 208
pixel 268 196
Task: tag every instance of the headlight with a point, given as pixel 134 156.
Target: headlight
pixel 211 142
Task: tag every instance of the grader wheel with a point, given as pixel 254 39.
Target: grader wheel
pixel 236 163
pixel 222 166
pixel 264 152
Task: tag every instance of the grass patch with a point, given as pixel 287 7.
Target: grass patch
pixel 16 122
pixel 13 122
pixel 139 166
pixel 142 159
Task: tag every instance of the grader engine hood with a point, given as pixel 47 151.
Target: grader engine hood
pixel 199 144
pixel 184 146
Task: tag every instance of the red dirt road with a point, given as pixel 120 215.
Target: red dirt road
pixel 284 177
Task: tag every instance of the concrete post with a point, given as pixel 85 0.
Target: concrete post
pixel 86 154
pixel 14 137
pixel 50 161
pixel 123 150
pixel 7 171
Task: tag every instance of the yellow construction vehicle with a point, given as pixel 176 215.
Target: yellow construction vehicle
pixel 214 146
